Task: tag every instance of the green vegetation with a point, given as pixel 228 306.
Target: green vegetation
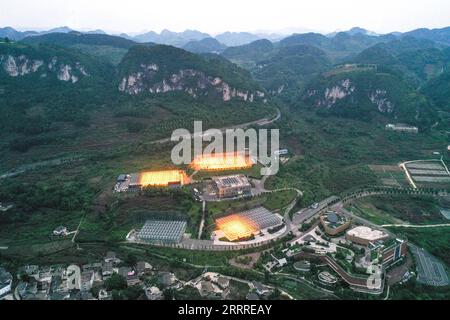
pixel 399 209
pixel 414 290
pixel 331 154
pixel 406 105
pixel 434 240
pixel 171 60
pixel 102 133
pixel 111 48
pixel 417 60
pixel 272 201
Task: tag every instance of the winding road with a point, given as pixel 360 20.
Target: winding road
pixel 263 121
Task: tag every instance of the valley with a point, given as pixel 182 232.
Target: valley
pixel 79 110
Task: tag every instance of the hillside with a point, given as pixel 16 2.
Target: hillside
pixel 113 48
pixel 249 54
pixel 161 69
pixel 167 37
pixel 61 97
pixel 338 47
pixel 438 35
pixel 61 84
pixel 360 92
pixel 438 91
pixel 290 68
pixel 232 39
pixel 417 59
pixel 207 45
pixel 75 38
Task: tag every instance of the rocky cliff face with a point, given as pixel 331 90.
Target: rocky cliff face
pixel 18 66
pixel 378 97
pixel 194 82
pixel 331 95
pixel 346 89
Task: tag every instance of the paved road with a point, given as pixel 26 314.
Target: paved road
pixel 202 223
pixel 307 213
pixel 340 207
pixel 416 226
pixel 223 130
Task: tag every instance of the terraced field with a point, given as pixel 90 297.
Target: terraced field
pixel 429 174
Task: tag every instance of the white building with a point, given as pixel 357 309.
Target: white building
pixel 60 231
pixel 363 235
pixel 5 282
pixel 402 128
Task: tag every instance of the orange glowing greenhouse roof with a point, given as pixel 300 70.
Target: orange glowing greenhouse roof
pixel 163 178
pixel 236 227
pixel 222 161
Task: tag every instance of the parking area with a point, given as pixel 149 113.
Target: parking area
pixel 430 271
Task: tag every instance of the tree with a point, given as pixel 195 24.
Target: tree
pixel 168 294
pixel 132 293
pixel 116 282
pixel 7 40
pixel 131 259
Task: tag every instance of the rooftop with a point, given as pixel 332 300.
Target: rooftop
pixel 162 178
pixel 222 161
pixel 367 233
pixel 231 181
pixel 241 225
pixel 162 230
pixel 5 276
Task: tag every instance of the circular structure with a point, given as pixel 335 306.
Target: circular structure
pixel 302 266
pixel 327 278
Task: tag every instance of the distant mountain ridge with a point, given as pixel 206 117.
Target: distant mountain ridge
pixel 177 39
pixel 230 39
pixel 111 48
pixel 13 34
pixel 206 45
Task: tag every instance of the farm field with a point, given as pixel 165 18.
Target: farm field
pixel 429 174
pixel 398 210
pixel 390 175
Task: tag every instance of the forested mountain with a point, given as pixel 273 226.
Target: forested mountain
pixel 112 48
pixel 13 34
pixel 402 77
pixel 162 69
pixel 438 90
pixel 16 35
pixel 417 59
pixel 362 92
pixel 373 74
pixel 338 47
pixel 249 54
pixel 76 38
pixel 59 84
pixel 290 68
pixel 42 85
pixel 177 39
pixel 438 35
pixel 207 45
pixel 232 39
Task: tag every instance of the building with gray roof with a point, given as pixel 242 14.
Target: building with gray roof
pixel 162 231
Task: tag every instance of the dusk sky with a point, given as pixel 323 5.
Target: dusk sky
pixel 232 15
